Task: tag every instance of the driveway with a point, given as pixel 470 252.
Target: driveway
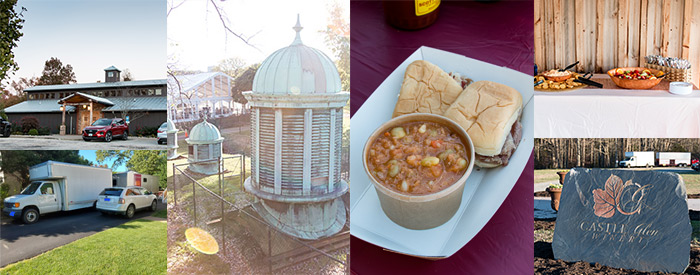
pixel 20 241
pixel 73 142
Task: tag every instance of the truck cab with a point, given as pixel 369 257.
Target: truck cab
pixel 38 198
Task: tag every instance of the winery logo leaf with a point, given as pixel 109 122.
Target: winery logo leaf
pixel 610 199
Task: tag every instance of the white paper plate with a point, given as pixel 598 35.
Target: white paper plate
pixel 485 189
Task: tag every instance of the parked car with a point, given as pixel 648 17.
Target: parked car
pixel 162 133
pixel 57 186
pixel 125 200
pixel 5 127
pixel 106 129
pixel 696 166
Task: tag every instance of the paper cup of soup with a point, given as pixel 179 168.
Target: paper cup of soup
pixel 419 163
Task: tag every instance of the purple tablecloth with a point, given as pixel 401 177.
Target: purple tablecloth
pixel 498 32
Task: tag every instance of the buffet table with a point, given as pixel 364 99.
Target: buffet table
pixel 613 112
pixel 497 33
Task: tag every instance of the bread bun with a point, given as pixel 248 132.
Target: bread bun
pixel 487 111
pixel 426 89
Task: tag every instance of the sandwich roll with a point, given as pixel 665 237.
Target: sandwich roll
pixel 490 113
pixel 426 89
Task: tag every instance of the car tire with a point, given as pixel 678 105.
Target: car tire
pixel 154 206
pixel 30 215
pixel 108 137
pixel 125 135
pixel 130 211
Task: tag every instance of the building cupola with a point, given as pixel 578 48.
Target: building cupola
pixel 112 74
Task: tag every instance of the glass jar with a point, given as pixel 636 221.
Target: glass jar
pixel 411 15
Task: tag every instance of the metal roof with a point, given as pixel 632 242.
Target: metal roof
pixel 112 68
pixel 204 133
pixel 297 69
pixel 157 103
pixel 95 98
pixel 37 106
pixel 191 81
pixel 119 84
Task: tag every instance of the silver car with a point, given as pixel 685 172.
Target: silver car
pixel 125 200
pixel 162 133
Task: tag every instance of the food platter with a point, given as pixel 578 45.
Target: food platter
pixel 485 189
pixel 565 85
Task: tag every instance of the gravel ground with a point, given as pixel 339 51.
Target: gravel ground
pixel 73 143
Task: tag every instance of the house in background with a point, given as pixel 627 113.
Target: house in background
pixel 79 105
pixel 192 95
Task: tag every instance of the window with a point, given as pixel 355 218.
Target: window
pixel 47 189
pixel 150 91
pixel 191 150
pixel 159 91
pixel 112 191
pixel 145 179
pixel 110 74
pixel 203 152
pixel 136 191
pixel 31 96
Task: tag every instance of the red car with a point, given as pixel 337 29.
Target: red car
pixel 106 129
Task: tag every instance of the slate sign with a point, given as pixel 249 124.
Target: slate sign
pixel 624 219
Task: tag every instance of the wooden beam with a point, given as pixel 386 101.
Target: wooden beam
pixel 581 55
pixel 539 33
pixel 643 31
pixel 559 36
pixel 622 27
pixel 600 12
pixel 687 17
pixel 666 27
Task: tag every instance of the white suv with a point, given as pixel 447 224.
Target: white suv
pixel 125 200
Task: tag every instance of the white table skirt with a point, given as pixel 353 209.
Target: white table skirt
pixel 617 113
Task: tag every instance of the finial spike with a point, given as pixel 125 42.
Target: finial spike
pixel 297 28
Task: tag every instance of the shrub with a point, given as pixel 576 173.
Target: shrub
pixel 44 131
pixel 28 123
pixel 33 132
pixel 144 131
pixel 4 191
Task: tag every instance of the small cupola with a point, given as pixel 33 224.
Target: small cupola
pixel 112 74
pixel 204 150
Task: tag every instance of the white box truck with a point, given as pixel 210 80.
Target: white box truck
pixel 57 186
pixel 132 178
pixel 680 159
pixel 637 159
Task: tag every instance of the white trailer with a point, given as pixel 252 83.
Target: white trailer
pixel 132 178
pixel 57 186
pixel 681 159
pixel 638 159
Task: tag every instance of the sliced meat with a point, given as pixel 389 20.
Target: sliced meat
pixel 512 142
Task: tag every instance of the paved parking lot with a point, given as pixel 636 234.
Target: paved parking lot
pixel 56 142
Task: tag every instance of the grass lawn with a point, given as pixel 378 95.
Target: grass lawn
pixel 690 178
pixel 135 247
pixel 546 175
pixel 161 214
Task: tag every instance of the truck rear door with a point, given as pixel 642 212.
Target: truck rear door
pixel 46 198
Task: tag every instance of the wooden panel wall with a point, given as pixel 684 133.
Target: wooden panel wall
pixel 604 34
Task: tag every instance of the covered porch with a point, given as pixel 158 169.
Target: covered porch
pixel 88 108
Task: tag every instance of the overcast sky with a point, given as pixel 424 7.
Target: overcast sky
pixel 92 35
pixel 197 39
